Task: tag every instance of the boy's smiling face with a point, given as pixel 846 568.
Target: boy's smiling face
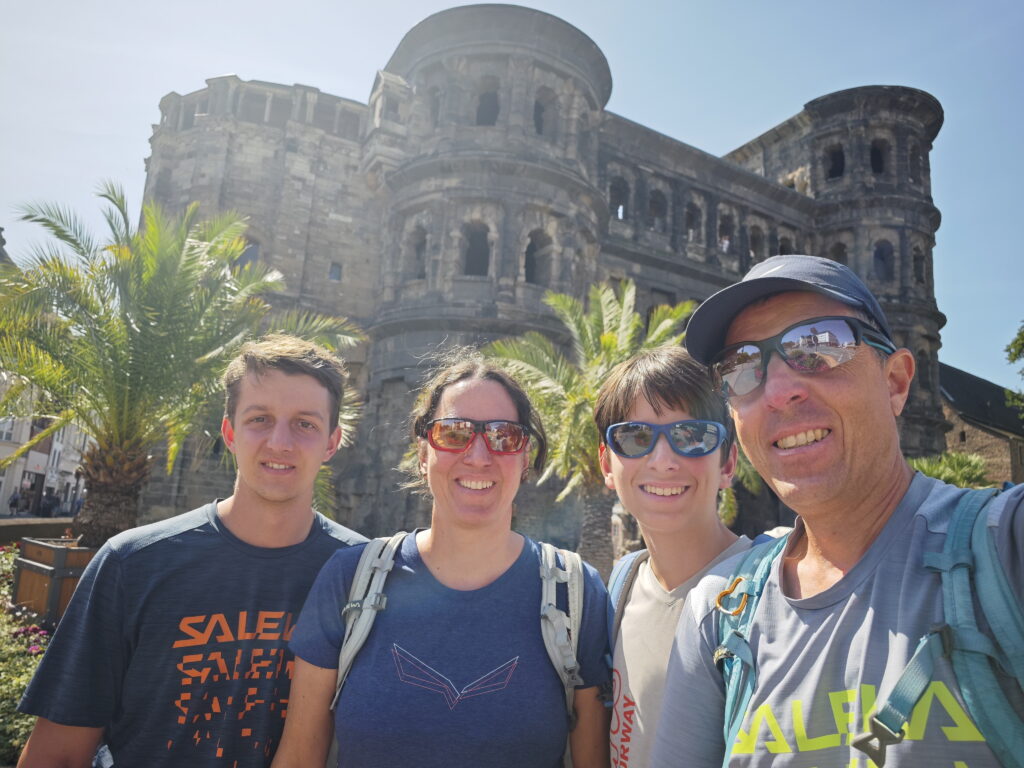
pixel 664 491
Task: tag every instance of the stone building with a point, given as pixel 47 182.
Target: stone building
pixel 485 170
pixel 984 422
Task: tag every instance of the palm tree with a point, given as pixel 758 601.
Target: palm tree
pixel 128 338
pixel 564 390
pixel 964 469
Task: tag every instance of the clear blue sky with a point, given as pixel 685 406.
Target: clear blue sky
pixel 80 83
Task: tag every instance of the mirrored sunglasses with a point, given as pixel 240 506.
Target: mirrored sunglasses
pixel 500 436
pixel 810 346
pixel 692 438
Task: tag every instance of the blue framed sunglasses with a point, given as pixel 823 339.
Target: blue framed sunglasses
pixel 692 438
pixel 809 347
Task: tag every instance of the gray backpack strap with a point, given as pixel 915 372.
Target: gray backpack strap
pixel 365 597
pixel 560 631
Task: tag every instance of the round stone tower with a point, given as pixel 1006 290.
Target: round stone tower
pixel 868 170
pixel 482 138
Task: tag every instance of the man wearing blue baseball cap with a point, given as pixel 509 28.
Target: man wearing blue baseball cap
pixel 854 643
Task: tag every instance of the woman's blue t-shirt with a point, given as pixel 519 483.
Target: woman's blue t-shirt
pixel 450 677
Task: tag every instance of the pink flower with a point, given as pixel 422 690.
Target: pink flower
pixel 34 650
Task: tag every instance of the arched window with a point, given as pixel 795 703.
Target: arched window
pixel 726 232
pixel 756 245
pixel 657 211
pixel 883 260
pixel 835 161
pixel 924 378
pixel 487 105
pixel 476 257
pixel 334 272
pixel 537 259
pixel 838 253
pixel 879 156
pixel 919 265
pixel 694 222
pixel 417 269
pixel 785 246
pixel 545 113
pixel 618 198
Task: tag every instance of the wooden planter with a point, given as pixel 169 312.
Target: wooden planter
pixel 46 574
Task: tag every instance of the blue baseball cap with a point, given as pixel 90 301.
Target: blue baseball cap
pixel 706 332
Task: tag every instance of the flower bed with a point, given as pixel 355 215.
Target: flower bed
pixel 22 645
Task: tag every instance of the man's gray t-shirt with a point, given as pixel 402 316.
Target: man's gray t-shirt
pixel 823 661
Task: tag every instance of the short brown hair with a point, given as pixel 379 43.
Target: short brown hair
pixel 464 364
pixel 666 377
pixel 290 355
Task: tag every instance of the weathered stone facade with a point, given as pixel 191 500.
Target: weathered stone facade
pixel 485 170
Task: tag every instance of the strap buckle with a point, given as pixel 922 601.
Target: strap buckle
pixel 880 733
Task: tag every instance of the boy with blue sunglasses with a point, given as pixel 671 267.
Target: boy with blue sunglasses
pixel 667 449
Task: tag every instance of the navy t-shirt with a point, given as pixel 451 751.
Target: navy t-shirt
pixel 450 677
pixel 176 642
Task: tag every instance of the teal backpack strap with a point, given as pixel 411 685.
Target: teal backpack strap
pixel 620 583
pixel 736 607
pixel 970 651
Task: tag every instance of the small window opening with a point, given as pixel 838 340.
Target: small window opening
pixel 923 371
pixel 919 266
pixel 250 255
pixel 838 253
pixel 418 253
pixel 879 151
pixel 835 161
pixel 545 112
pixel 334 272
pixel 726 230
pixel 477 256
pixel 537 259
pixel 756 245
pixel 435 106
pixel 883 260
pixel 963 436
pixel 618 198
pixel 487 105
pixel 694 218
pixel 659 298
pixel 657 211
pixel 915 165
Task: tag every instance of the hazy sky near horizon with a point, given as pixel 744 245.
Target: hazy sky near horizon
pixel 80 84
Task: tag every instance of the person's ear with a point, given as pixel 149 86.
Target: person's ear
pixel 421 456
pixel 729 468
pixel 334 442
pixel 227 432
pixel 606 466
pixel 899 372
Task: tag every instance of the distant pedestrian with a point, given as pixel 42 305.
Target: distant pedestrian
pixel 13 502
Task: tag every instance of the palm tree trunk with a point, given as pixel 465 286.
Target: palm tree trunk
pixel 107 511
pixel 596 532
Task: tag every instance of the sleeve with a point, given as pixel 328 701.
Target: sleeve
pixel 692 712
pixel 592 652
pixel 320 629
pixel 79 680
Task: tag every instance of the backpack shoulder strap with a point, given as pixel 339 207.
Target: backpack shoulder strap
pixel 736 607
pixel 971 652
pixel 365 598
pixel 560 630
pixel 620 584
